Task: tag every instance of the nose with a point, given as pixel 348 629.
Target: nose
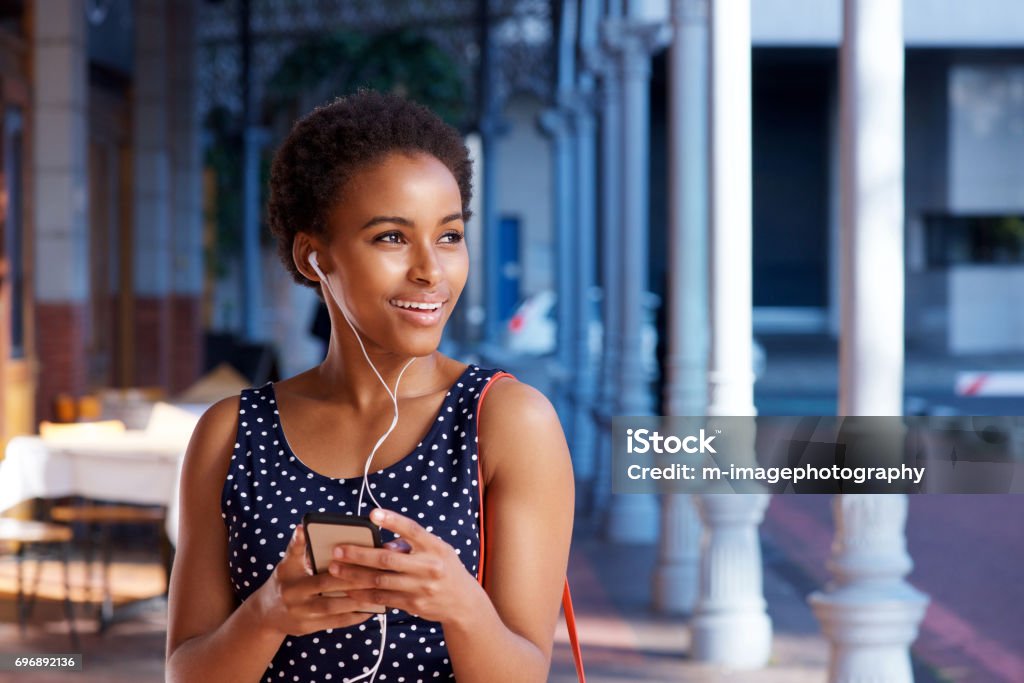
pixel 426 267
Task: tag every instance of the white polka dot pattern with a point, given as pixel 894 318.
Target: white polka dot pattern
pixel 268 489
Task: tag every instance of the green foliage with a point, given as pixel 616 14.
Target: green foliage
pixel 413 66
pixel 318 70
pixel 224 158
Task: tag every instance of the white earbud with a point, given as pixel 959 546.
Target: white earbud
pixel 316 266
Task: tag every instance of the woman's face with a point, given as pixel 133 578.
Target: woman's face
pixel 398 255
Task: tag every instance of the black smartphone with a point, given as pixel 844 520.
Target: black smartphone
pixel 324 530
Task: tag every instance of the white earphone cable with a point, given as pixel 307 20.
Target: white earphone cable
pixel 382 619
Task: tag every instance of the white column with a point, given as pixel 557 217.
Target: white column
pixel 557 123
pixel 185 206
pixel 870 614
pixel 676 575
pixel 584 378
pixel 730 625
pixel 871 208
pixel 633 518
pixel 151 173
pixel 611 277
pixel 59 144
pixel 585 396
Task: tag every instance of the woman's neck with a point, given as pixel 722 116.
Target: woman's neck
pixel 345 376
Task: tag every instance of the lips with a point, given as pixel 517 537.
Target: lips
pixel 426 305
pixel 422 313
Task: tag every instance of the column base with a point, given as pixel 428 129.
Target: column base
pixel 742 640
pixel 870 629
pixel 632 518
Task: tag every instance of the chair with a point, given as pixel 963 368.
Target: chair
pixel 99 517
pixel 26 534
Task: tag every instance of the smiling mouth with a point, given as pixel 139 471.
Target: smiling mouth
pixel 416 305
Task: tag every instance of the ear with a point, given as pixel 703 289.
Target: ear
pixel 302 246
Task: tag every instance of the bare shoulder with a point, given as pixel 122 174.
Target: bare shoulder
pixel 514 403
pixel 214 436
pixel 518 423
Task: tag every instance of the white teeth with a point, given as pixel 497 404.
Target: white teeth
pixel 415 305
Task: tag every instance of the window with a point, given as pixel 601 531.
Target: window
pixel 956 240
pixel 13 226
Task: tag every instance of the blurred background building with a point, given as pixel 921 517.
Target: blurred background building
pixel 137 136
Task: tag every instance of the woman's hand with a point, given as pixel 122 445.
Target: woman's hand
pixel 289 602
pixel 429 581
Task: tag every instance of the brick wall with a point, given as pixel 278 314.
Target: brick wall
pixel 153 342
pixel 187 341
pixel 60 344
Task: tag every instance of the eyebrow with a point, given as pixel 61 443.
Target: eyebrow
pixel 398 220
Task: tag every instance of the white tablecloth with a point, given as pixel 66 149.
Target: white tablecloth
pixel 138 466
pixel 132 471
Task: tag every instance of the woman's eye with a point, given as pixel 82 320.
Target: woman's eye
pixel 390 238
pixel 453 237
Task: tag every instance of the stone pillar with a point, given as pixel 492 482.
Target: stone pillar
pixel 584 381
pixel 60 198
pixel 676 574
pixel 869 613
pixel 557 124
pixel 186 210
pixel 151 181
pixel 490 125
pixel 584 386
pixel 871 209
pixel 730 625
pixel 611 277
pixel 633 518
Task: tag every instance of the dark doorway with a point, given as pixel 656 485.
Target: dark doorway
pixel 791 93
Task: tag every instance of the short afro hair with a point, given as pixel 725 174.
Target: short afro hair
pixel 329 145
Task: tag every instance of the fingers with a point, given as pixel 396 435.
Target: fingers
pixel 294 563
pixel 416 536
pixel 388 560
pixel 333 606
pixel 399 545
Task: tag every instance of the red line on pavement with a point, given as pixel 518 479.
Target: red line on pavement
pixel 950 631
pixel 974 387
pixel 942 631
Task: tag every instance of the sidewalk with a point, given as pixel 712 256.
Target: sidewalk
pixel 965 559
pixel 624 640
pixel 966 562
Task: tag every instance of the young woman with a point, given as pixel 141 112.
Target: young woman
pixel 372 191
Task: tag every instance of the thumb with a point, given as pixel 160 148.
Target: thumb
pixel 294 562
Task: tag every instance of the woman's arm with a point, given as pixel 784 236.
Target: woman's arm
pixel 209 636
pixel 205 631
pixel 507 633
pixel 529 507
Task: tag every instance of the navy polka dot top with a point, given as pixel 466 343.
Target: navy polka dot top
pixel 268 489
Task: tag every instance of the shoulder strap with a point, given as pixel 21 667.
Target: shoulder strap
pixel 570 615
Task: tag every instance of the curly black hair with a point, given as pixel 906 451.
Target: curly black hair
pixel 334 141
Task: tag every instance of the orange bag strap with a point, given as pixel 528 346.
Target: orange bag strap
pixel 570 615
